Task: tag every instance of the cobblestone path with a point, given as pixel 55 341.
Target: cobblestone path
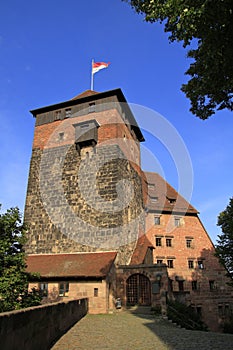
pixel 126 331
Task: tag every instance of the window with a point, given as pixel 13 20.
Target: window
pixel 68 112
pixel 200 264
pixel 168 242
pixel 61 136
pixel 92 107
pixel 157 220
pixel 57 115
pixel 181 285
pixel 96 292
pixel 223 310
pixel 151 186
pixel 189 242
pixel 191 264
pixel 212 285
pixel 171 200
pixel 159 261
pixel 220 310
pixel 158 241
pixel 43 287
pixel 227 310
pixel 153 199
pixel 170 264
pixel 177 222
pixel 63 289
pixel 199 310
pixel 194 285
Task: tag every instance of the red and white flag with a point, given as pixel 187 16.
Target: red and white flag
pixel 96 66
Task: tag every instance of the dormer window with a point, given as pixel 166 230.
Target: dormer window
pixel 151 186
pixel 171 200
pixel 61 136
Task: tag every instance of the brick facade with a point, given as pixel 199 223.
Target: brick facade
pixel 87 193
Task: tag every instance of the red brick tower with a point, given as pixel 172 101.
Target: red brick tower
pixel 84 189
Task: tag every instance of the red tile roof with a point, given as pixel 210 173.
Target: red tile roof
pixel 85 94
pixel 71 265
pixel 163 197
pixel 140 251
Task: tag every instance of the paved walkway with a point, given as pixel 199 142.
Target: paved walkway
pixel 126 331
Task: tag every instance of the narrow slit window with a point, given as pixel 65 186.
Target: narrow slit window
pixel 92 107
pixel 157 220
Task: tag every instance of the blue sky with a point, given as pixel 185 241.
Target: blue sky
pixel 46 48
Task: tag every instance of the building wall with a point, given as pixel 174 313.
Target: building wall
pixel 197 277
pixel 156 275
pixel 93 200
pixel 95 291
pixel 88 201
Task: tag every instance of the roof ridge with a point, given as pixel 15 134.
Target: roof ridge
pixel 72 253
pixel 85 94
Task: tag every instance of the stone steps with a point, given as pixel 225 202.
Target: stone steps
pixel 138 309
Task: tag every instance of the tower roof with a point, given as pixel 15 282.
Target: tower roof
pixel 85 94
pixel 89 96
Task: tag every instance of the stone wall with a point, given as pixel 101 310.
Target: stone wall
pixel 87 202
pixel 39 327
pixel 97 302
pixel 152 272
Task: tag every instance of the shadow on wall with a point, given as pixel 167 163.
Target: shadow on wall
pixel 207 291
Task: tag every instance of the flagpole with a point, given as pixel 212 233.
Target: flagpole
pixel 92 75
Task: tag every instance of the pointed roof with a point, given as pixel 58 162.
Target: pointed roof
pixel 163 197
pixel 139 254
pixel 85 94
pixel 71 265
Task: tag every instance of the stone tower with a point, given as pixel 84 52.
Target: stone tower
pixel 85 189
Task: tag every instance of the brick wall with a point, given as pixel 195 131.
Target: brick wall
pixel 95 291
pixel 212 290
pixel 74 202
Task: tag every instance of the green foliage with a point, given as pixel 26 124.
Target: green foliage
pixel 224 247
pixel 13 276
pixel 208 25
pixel 185 316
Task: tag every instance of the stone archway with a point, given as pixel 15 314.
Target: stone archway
pixel 138 290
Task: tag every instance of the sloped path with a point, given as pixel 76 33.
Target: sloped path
pixel 126 331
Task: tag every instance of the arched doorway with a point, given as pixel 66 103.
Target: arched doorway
pixel 138 290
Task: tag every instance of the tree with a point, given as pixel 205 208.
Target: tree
pixel 224 247
pixel 13 276
pixel 208 26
